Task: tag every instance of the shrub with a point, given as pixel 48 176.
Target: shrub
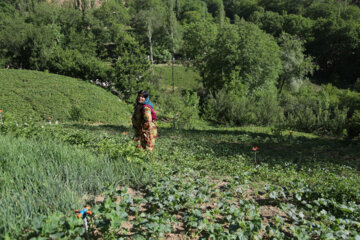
pixel 182 109
pixel 228 107
pixel 76 113
pixel 75 64
pixel 310 110
pixel 353 125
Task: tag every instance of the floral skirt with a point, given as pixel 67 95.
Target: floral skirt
pixel 148 136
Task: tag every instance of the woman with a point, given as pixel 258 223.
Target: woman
pixel 143 121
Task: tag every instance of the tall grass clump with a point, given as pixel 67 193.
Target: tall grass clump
pixel 41 177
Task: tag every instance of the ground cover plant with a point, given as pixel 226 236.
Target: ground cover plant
pixel 28 94
pixel 198 184
pixel 184 78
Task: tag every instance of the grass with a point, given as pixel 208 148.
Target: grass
pixel 298 169
pixel 184 78
pixel 40 95
pixel 42 176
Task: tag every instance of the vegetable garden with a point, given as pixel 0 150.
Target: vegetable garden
pixel 197 184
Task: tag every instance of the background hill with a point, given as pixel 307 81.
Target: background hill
pixel 30 94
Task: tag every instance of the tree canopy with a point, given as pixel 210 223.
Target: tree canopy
pixel 221 38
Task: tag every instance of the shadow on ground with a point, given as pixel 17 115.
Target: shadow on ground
pixel 296 149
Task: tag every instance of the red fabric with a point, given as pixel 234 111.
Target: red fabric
pixel 153 113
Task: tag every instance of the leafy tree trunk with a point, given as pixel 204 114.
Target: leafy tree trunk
pixel 151 49
pixel 221 14
pixel 151 45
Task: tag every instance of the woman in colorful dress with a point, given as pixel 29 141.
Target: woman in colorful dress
pixel 143 121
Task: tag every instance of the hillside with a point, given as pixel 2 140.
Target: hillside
pixel 30 94
pixel 184 78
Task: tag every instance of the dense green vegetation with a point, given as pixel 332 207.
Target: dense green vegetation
pixel 255 58
pixel 258 140
pixel 184 78
pixel 201 183
pixel 40 177
pixel 198 183
pixel 40 96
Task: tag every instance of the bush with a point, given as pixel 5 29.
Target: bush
pixel 353 125
pixel 75 64
pixel 76 113
pixel 228 107
pixel 310 110
pixel 181 109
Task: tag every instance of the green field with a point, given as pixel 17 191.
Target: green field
pixel 184 78
pixel 205 183
pixel 37 95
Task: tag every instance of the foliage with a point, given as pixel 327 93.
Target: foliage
pixel 147 21
pixel 296 66
pixel 269 21
pixel 33 34
pixel 201 183
pixel 184 78
pixel 353 125
pixel 238 59
pixel 74 64
pixel 35 172
pixel 131 69
pixel 182 109
pixel 199 38
pixel 230 107
pixel 341 35
pixel 315 111
pixel 240 8
pixel 111 13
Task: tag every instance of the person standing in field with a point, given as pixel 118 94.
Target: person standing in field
pixel 143 121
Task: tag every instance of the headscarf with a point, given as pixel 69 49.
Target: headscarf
pixel 148 102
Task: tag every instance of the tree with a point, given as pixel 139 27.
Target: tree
pixel 296 65
pixel 193 11
pixel 336 49
pixel 27 42
pixel 299 26
pixel 131 68
pixel 172 28
pixel 149 19
pixel 216 8
pixel 270 22
pixel 221 14
pixel 199 38
pixel 112 13
pixel 244 57
pixel 243 8
pixel 108 26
